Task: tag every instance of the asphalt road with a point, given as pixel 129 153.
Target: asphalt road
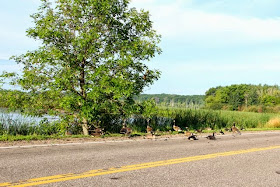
pixel 227 161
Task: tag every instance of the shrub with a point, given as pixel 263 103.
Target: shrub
pixel 273 123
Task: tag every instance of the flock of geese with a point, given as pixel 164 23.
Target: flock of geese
pixel 191 136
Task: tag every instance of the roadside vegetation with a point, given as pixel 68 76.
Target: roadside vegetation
pixel 244 97
pixel 91 69
pixel 161 121
pixel 90 65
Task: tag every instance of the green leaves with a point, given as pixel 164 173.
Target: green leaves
pixel 92 57
pixel 235 97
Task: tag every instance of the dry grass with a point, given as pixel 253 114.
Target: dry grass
pixel 273 123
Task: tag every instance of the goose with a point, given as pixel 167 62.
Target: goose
pixel 176 128
pixel 125 130
pixel 192 137
pixel 150 130
pixel 198 130
pixel 221 131
pixel 68 133
pixel 99 131
pixel 211 137
pixel 188 133
pixel 234 129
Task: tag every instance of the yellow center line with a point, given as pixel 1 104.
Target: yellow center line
pixel 98 172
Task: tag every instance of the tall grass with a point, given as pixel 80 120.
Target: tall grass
pixel 161 120
pixel 18 125
pixel 196 119
pixel 273 123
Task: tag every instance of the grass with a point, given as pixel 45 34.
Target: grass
pixel 261 129
pixel 273 123
pixel 247 119
pixel 196 119
pixel 11 138
pixel 48 137
pixel 16 129
pixel 37 137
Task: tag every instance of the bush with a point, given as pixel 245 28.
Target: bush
pixel 273 123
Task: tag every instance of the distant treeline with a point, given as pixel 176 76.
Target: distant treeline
pixel 241 97
pixel 18 99
pixel 179 101
pixel 244 97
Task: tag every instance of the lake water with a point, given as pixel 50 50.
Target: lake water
pixel 4 116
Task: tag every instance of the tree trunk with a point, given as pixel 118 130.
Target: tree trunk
pixel 85 127
pixel 84 95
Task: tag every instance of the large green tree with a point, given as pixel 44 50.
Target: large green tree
pixel 92 57
pixel 236 97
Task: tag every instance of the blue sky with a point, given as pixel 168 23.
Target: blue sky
pixel 206 43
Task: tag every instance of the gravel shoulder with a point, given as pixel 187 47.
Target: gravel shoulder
pixel 71 140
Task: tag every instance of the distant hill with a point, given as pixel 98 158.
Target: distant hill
pixel 171 100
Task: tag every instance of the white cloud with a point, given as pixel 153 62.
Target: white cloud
pixel 182 68
pixel 179 22
pixel 271 67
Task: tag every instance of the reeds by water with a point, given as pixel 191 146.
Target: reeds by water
pixel 11 124
pixel 161 120
pixel 196 119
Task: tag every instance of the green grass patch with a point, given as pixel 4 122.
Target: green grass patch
pixel 47 137
pixel 37 137
pixel 162 120
pixel 11 138
pixel 23 137
pixel 261 129
pixel 197 119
